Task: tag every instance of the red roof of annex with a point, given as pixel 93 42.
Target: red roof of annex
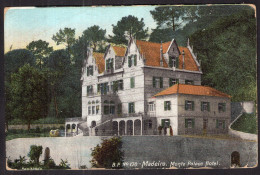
pixel 192 90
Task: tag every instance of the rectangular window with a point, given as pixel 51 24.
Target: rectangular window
pixel 98 88
pixel 106 109
pixel 167 105
pixel 205 106
pixel 131 108
pixel 120 85
pixel 90 70
pixel 189 105
pixel 89 90
pixel 93 109
pixel 221 107
pixel 119 108
pixel 132 82
pixel 173 81
pixel 112 110
pixel 151 106
pixel 220 124
pixel 115 86
pixel 157 82
pixel 189 123
pixel 89 110
pixel 189 82
pixel 97 109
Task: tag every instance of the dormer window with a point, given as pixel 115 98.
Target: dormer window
pixel 132 60
pixel 173 62
pixel 109 63
pixel 89 70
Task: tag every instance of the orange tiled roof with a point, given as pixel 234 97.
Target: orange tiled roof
pixel 192 90
pixel 99 61
pixel 151 52
pixel 119 51
pixel 189 62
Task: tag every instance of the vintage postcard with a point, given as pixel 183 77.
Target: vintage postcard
pixel 131 87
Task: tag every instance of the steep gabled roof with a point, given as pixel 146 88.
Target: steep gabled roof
pixel 100 62
pixel 151 52
pixel 192 90
pixel 119 51
pixel 189 62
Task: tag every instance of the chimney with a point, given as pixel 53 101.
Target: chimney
pixel 161 56
pixel 188 42
pixel 183 63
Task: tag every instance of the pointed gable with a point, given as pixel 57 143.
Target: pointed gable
pixel 100 62
pixel 151 52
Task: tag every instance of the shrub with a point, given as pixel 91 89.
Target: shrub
pixel 35 153
pixel 37 130
pixel 107 154
pixel 62 128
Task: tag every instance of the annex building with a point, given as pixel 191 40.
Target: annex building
pixel 145 89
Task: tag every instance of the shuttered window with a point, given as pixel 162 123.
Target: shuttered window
pixel 189 105
pixel 167 105
pixel 129 61
pixel 189 123
pixel 173 81
pixel 135 60
pixel 205 106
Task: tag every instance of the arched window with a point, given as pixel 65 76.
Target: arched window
pixel 73 126
pixel 93 102
pixel 106 101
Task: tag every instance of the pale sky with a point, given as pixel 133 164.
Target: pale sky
pixel 23 25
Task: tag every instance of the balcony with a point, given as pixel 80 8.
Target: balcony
pixel 108 71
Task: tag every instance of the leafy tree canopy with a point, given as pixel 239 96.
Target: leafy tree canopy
pixel 126 27
pixel 227 49
pixel 17 58
pixel 40 50
pixel 95 35
pixel 29 97
pixel 161 35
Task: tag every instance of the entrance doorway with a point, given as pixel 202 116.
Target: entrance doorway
pixel 235 159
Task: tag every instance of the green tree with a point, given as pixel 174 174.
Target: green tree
pixel 95 35
pixel 40 50
pixel 126 27
pixel 173 16
pixel 66 37
pixel 107 154
pixel 28 94
pixel 17 58
pixel 161 35
pixel 58 67
pixel 35 153
pixel 229 61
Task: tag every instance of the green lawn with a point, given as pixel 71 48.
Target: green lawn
pixel 246 123
pixel 13 134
